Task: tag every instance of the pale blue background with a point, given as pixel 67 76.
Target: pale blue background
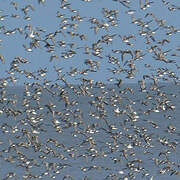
pixel 44 16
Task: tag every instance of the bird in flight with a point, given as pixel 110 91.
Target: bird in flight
pixel 2 58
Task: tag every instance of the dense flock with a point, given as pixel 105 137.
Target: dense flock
pixel 93 93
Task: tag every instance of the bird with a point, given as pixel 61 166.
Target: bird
pixel 41 1
pixel 2 58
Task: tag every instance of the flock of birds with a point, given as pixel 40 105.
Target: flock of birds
pixel 55 129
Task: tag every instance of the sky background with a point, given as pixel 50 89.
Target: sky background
pixel 44 16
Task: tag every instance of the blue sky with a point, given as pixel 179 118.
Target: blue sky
pixel 44 16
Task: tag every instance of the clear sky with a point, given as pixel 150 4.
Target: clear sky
pixel 45 17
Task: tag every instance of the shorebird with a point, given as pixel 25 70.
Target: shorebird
pixel 2 58
pixel 41 1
